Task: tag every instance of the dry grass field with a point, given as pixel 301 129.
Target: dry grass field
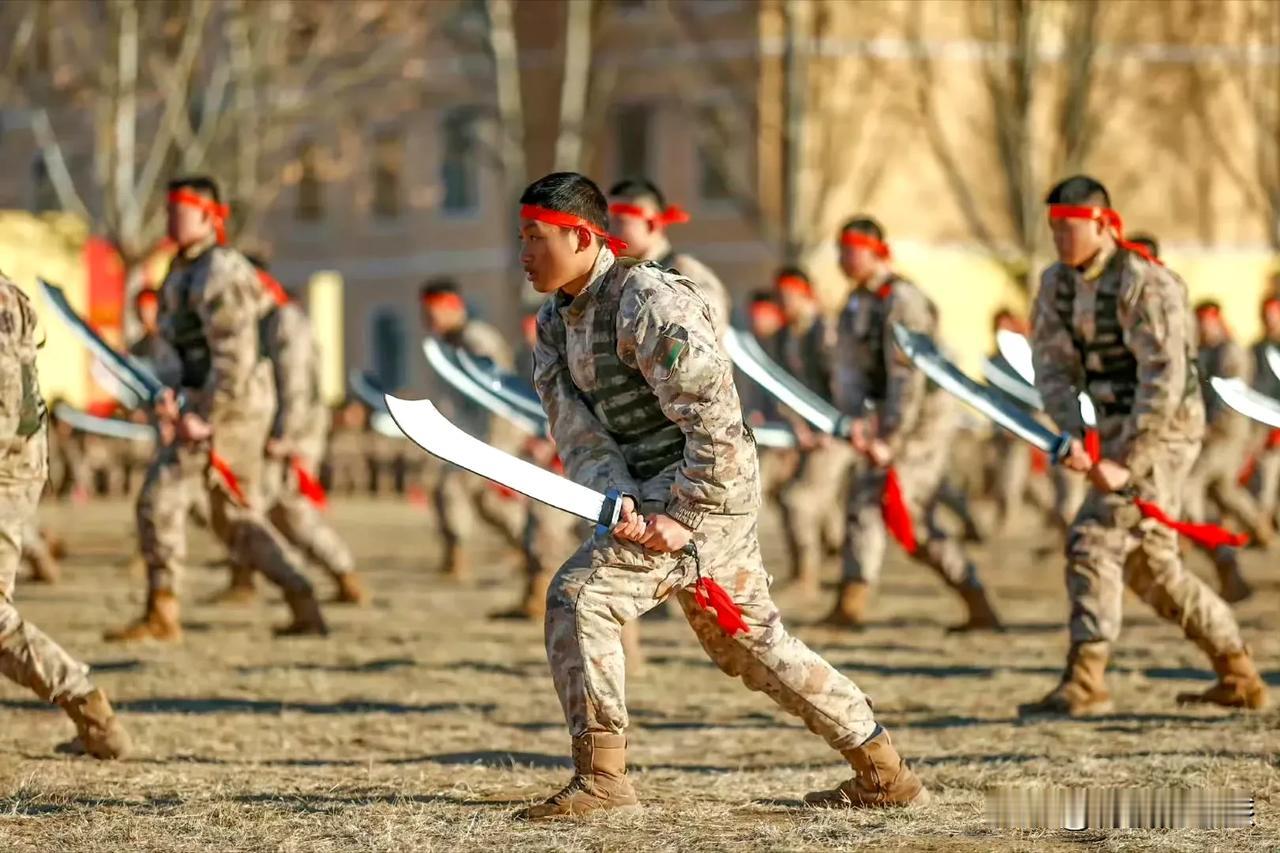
pixel 420 724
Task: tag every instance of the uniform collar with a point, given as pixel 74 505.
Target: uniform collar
pixel 195 250
pixel 573 307
pixel 1098 265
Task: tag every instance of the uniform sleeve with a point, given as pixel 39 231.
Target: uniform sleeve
pixel 590 455
pixel 290 350
pixel 905 386
pixel 848 385
pixel 1057 364
pixel 1154 318
pixel 484 341
pixel 711 288
pixel 230 310
pixel 15 328
pixel 676 349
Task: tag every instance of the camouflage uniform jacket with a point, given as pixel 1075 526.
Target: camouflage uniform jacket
pixel 212 305
pixel 871 373
pixel 708 283
pixel 632 377
pixel 23 443
pixel 302 419
pixel 1122 331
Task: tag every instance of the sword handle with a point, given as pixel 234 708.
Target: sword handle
pixel 1061 447
pixel 610 510
pixel 842 427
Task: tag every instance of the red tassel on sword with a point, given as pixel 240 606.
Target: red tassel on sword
pixel 309 486
pixel 711 596
pixel 897 518
pixel 220 465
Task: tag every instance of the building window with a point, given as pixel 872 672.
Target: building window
pixel 459 167
pixel 631 123
pixel 310 201
pixel 388 166
pixel 43 196
pixel 388 335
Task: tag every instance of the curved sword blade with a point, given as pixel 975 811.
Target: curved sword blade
pixel 423 424
pixel 998 377
pixel 747 356
pixel 443 363
pixel 1016 350
pixel 1248 402
pixel 518 392
pixel 1273 361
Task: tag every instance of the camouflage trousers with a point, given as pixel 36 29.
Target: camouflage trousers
pixel 813 502
pixel 178 476
pixel 921 466
pixel 1110 546
pixel 607 583
pixel 1213 480
pixel 27 655
pixel 298 520
pixel 460 495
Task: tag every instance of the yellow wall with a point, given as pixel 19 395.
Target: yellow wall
pixel 325 307
pixel 51 246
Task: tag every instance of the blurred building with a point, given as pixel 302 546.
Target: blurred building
pixel 772 122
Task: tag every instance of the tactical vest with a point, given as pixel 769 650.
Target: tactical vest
pixel 31 408
pixel 805 358
pixel 185 330
pixel 871 337
pixel 623 401
pixel 1110 368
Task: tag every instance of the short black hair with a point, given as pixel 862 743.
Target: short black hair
pixel 1146 241
pixel 569 192
pixel 759 296
pixel 1208 305
pixel 437 287
pixel 202 184
pixel 639 188
pixel 791 271
pixel 1079 189
pixel 864 225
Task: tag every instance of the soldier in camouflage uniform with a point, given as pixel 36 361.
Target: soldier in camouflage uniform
pixel 1112 322
pixel 460 495
pixel 348 454
pixel 27 655
pixel 901 424
pixel 1228 434
pixel 777 465
pixel 294 449
pixel 640 216
pixel 641 399
pixel 213 305
pixel 813 502
pixel 1266 381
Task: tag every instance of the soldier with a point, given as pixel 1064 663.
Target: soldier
pixel 27 655
pixel 294 449
pixel 640 215
pixel 902 425
pixel 1112 322
pixel 812 503
pixel 459 495
pixel 641 398
pixel 348 457
pixel 1266 381
pixel 1214 476
pixel 212 308
pixel 777 465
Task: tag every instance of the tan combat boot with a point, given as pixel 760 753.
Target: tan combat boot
pixel 350 590
pixel 158 622
pixel 883 780
pixel 1239 685
pixel 1083 689
pixel 980 616
pixel 307 618
pixel 1231 584
pixel 599 780
pixel 1265 534
pixel 851 603
pixel 240 591
pixel 98 730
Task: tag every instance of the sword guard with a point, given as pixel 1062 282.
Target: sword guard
pixel 842 427
pixel 1060 448
pixel 610 510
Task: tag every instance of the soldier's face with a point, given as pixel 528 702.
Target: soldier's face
pixel 148 313
pixel 794 304
pixel 1271 320
pixel 859 263
pixel 637 231
pixel 553 257
pixel 188 224
pixel 1076 240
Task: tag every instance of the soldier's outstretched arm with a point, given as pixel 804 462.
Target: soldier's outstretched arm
pixel 674 340
pixel 905 386
pixel 1058 373
pixel 230 310
pixel 590 455
pixel 1154 316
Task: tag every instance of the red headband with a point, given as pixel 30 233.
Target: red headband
pixel 767 311
pixel 1209 311
pixel 568 220
pixel 217 212
pixel 672 214
pixel 445 299
pixel 529 324
pixel 147 294
pixel 273 287
pixel 866 241
pixel 1270 303
pixel 1108 217
pixel 794 284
